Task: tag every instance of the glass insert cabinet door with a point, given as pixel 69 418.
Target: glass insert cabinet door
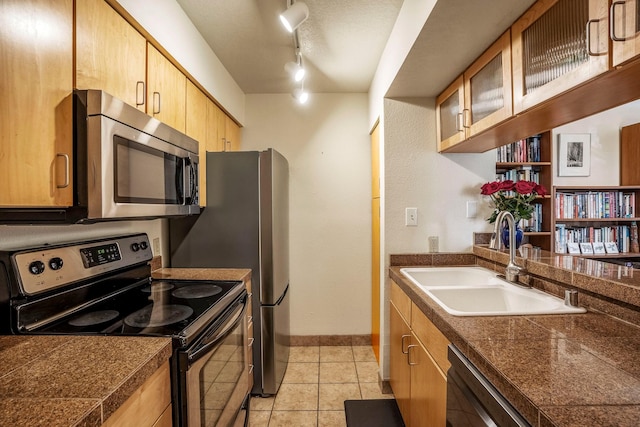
pixel 624 30
pixel 488 87
pixel 478 99
pixel 449 115
pixel 557 44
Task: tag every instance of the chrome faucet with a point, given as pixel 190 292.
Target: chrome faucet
pixel 513 271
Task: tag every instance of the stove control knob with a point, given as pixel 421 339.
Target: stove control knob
pixel 55 263
pixel 135 247
pixel 36 267
pixel 143 245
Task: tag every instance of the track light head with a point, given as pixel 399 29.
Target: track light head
pixel 301 95
pixel 295 15
pixel 296 70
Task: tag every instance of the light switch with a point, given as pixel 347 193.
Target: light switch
pixel 411 217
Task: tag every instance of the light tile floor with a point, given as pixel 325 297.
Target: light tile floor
pixel 317 382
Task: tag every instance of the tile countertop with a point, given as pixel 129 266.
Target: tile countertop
pixel 557 370
pixel 72 380
pixel 66 381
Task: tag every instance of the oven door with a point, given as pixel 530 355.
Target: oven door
pixel 214 373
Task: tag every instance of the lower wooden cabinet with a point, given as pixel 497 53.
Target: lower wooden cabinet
pixel 400 371
pixel 417 367
pixel 428 403
pixel 149 405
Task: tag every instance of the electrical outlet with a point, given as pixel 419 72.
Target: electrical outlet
pixel 156 246
pixel 411 217
pixel 433 244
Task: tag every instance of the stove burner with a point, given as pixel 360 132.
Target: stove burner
pixel 197 291
pixel 152 316
pixel 158 287
pixel 94 318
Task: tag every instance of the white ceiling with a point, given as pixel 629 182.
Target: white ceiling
pixel 342 41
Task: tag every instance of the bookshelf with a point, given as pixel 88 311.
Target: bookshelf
pixel 530 159
pixel 595 214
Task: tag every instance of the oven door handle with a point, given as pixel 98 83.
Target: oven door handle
pixel 213 339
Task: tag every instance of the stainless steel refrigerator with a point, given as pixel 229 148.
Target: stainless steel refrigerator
pixel 245 224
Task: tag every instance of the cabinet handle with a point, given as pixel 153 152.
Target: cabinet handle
pixel 250 369
pixel 140 93
pixel 588 38
pixel 465 113
pixel 409 354
pixel 612 23
pixel 66 170
pixel 156 95
pixel 250 342
pixel 460 120
pixel 402 344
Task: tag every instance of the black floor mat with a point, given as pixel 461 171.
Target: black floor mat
pixel 373 413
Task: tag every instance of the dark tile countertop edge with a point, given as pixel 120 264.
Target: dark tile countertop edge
pixel 557 370
pixel 82 380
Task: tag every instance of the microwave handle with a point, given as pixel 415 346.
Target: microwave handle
pixel 189 181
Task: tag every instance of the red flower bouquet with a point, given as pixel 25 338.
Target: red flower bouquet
pixel 515 197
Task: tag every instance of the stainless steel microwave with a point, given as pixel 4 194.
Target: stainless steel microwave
pixel 136 166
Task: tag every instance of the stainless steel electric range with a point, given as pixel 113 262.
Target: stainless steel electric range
pixel 104 287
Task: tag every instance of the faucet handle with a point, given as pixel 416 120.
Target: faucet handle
pixel 513 272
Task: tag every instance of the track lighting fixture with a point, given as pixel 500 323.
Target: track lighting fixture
pixel 295 68
pixel 295 15
pixel 301 95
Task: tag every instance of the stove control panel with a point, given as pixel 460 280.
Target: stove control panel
pixel 47 268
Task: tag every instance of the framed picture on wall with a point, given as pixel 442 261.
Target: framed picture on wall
pixel 574 154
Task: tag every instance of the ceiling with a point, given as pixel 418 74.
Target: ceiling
pixel 342 42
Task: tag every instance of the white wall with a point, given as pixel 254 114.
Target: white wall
pixel 439 185
pixel 411 18
pixel 169 25
pixel 327 145
pixel 604 129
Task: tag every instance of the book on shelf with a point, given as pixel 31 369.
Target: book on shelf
pixel 573 248
pixel 586 248
pixel 526 173
pixel 609 236
pixel 526 150
pixel 611 247
pixel 595 204
pixel 598 248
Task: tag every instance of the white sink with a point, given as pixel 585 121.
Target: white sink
pixel 451 276
pixel 476 291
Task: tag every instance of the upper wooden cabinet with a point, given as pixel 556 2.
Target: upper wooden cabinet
pixel 196 128
pixel 449 115
pixel 36 82
pixel 487 87
pixel 215 127
pixel 557 44
pixel 624 25
pixel 232 135
pixel 110 53
pixel 166 90
pixel 478 99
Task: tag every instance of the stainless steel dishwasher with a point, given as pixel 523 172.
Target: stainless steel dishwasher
pixel 472 401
